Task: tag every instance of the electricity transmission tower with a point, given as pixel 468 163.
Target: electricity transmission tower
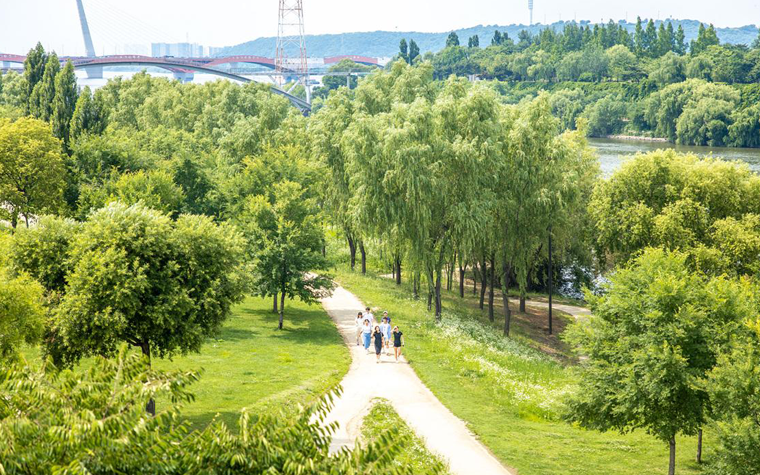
pixel 290 58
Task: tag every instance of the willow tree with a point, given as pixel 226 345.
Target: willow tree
pixel 328 126
pixel 415 167
pixel 539 179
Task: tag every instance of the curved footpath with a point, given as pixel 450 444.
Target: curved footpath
pixel 443 433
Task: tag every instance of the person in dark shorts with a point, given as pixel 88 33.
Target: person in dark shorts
pixel 398 341
pixel 377 339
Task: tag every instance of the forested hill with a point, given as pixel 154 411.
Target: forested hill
pixel 385 43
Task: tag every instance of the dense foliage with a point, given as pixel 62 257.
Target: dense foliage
pixel 706 208
pixel 629 75
pixel 657 332
pixel 440 174
pixel 93 421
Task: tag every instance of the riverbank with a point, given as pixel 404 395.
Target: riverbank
pixel 637 138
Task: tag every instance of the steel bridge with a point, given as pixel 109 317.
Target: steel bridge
pixel 184 67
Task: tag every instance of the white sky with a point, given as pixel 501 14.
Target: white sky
pixel 229 22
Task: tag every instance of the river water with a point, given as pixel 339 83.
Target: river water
pixel 613 152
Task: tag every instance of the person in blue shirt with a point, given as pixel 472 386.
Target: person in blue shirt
pixel 385 329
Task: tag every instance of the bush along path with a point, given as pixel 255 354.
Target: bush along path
pixel 443 433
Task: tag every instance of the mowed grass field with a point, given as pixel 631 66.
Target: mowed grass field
pixel 509 393
pixel 253 365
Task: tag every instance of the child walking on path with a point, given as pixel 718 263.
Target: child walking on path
pixel 398 342
pixel 377 336
pixel 366 334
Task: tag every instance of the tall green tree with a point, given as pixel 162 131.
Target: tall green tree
pixel 414 51
pixel 473 42
pixel 706 37
pixel 34 68
pixel 87 117
pixel 64 103
pixel 452 40
pixel 638 38
pixel 43 94
pixel 680 41
pixel 285 238
pixel 656 333
pixel 403 50
pixel 32 172
pixel 138 277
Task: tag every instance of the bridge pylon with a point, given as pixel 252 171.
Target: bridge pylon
pixel 94 72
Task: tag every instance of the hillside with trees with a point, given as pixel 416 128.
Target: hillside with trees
pixel 382 44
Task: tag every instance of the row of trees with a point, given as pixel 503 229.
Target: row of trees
pixel 449 176
pixel 596 63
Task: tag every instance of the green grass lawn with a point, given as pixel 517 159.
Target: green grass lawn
pixel 255 366
pixel 510 394
pixel 413 453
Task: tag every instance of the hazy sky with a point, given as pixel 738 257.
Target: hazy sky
pixel 115 23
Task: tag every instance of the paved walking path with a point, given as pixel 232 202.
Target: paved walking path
pixel 443 433
pixel 576 312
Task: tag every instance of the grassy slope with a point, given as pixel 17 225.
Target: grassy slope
pixel 510 394
pixel 413 454
pixel 253 365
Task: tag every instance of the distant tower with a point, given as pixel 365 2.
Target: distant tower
pixel 530 8
pixel 94 72
pixel 290 58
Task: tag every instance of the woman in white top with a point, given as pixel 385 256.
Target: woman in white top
pixel 369 316
pixel 359 325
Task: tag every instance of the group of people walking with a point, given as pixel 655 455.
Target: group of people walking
pixel 368 332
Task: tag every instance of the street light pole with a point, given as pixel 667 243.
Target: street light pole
pixel 550 280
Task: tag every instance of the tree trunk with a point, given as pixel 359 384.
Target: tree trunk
pixel 462 270
pixel 522 301
pixel 398 270
pixel 672 463
pixel 274 303
pixel 505 297
pixel 351 250
pixel 483 282
pixel 393 270
pixel 364 257
pixel 438 296
pixel 324 250
pixel 416 286
pixel 475 278
pixel 282 308
pixel 492 275
pixel 430 300
pixel 699 446
pixel 150 408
